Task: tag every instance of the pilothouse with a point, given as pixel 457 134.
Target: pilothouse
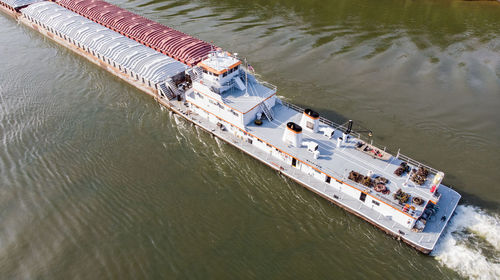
pixel 222 87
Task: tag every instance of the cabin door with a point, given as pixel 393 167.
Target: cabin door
pixel 294 162
pixel 362 197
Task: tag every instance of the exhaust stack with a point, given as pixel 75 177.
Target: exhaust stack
pixel 310 120
pixel 293 134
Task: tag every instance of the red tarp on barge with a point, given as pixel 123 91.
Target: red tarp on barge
pixel 171 42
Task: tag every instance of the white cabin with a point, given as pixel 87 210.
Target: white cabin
pixel 223 88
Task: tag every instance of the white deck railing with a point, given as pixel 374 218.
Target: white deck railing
pixel 359 136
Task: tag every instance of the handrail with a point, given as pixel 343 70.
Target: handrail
pixel 415 162
pixel 378 195
pixel 341 127
pixel 321 119
pixel 264 83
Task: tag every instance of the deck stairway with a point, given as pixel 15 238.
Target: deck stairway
pixel 173 88
pixel 195 73
pixel 166 90
pixel 268 112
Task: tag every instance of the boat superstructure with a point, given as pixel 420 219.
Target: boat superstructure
pixel 219 92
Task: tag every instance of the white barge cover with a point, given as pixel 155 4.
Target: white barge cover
pixel 97 39
pixel 19 3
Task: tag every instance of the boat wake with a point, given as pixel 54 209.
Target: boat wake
pixel 471 245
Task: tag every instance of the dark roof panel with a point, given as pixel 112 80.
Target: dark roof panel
pixel 169 41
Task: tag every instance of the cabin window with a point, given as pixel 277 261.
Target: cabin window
pixel 224 75
pixel 294 162
pixel 328 179
pixel 216 103
pixel 362 196
pixel 376 202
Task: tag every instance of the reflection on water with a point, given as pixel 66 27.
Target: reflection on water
pixel 96 181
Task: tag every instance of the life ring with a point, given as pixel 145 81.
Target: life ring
pixel 380 187
pixel 417 200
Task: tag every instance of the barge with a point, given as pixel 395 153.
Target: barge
pixel 218 92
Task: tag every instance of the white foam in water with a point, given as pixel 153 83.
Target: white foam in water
pixel 457 250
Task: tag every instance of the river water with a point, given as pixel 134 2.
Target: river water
pixel 97 181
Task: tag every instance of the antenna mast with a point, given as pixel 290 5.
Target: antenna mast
pixel 246 77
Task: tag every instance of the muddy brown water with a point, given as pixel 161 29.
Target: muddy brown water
pixel 97 182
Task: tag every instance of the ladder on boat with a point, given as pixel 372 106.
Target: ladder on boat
pixel 195 73
pixel 167 91
pixel 268 112
pixel 173 87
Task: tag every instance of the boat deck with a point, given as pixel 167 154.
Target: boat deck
pixel 244 101
pixel 337 161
